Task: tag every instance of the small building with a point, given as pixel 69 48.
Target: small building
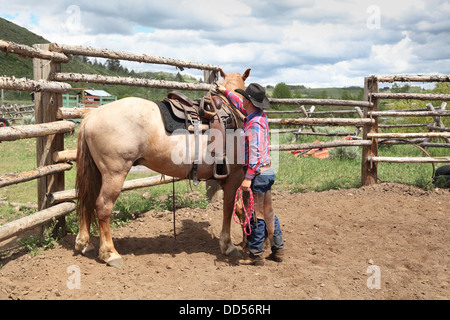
pixel 87 98
pixel 96 98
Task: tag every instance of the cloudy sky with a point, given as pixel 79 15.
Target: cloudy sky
pixel 314 43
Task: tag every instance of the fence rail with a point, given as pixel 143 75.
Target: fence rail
pixel 122 55
pixel 129 81
pixel 23 84
pixel 14 178
pixel 413 96
pixel 410 159
pixel 35 130
pixel 26 51
pixel 412 78
pixel 322 102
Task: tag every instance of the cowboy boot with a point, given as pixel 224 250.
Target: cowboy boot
pixel 255 243
pixel 273 230
pixel 277 245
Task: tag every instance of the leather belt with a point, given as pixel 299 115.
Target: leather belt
pixel 262 168
pixel 265 168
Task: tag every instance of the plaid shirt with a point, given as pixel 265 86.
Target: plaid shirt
pixel 256 133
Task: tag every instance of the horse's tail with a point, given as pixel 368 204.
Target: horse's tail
pixel 88 180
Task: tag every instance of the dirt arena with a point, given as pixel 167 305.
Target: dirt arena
pixel 400 234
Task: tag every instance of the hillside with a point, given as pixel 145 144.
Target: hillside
pixel 346 93
pixel 13 65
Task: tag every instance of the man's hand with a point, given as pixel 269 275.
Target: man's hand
pixel 245 185
pixel 221 88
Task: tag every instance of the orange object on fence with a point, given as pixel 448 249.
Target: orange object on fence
pixel 318 153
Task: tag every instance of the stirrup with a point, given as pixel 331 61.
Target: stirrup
pixel 218 170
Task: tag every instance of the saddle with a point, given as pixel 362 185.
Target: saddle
pixel 197 117
pixel 204 110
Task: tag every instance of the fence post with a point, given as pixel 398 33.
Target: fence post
pixel 369 169
pixel 46 106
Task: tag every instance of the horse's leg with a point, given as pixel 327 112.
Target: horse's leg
pixel 229 189
pixel 111 187
pixel 83 240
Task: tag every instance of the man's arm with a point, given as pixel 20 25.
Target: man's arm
pixel 233 98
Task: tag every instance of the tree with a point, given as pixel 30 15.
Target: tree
pixel 113 65
pixel 179 78
pixel 346 96
pixel 400 89
pixel 442 88
pixel 282 91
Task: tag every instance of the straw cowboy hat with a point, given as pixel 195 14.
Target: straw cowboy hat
pixel 256 94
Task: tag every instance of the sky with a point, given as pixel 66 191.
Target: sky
pixel 313 43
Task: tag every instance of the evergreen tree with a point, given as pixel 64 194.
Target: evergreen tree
pixel 346 96
pixel 282 91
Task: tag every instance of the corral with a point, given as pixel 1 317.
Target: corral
pixel 330 228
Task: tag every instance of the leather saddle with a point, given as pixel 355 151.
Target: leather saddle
pixel 202 110
pixel 200 115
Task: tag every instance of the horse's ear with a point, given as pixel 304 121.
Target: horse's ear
pixel 246 74
pixel 222 74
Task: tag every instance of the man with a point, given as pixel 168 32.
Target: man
pixel 259 175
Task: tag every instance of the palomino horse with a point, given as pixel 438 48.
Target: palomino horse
pixel 107 151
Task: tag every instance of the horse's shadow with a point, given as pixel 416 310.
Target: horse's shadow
pixel 191 237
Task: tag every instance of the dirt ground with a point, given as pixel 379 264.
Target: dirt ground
pixel 388 241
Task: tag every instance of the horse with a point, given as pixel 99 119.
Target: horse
pixel 129 132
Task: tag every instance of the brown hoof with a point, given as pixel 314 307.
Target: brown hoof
pixel 89 251
pixel 117 263
pixel 234 253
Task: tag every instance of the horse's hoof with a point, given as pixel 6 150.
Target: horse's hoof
pixel 234 253
pixel 117 263
pixel 86 249
pixel 89 251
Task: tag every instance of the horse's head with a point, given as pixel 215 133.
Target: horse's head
pixel 234 80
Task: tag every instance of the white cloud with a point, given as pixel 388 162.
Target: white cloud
pixel 395 58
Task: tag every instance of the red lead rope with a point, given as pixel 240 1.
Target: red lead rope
pixel 248 213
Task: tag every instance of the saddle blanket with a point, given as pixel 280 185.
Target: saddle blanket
pixel 171 121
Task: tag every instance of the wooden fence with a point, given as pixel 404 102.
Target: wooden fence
pixel 368 120
pixel 14 113
pixel 49 85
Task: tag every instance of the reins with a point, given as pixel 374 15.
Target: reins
pixel 248 213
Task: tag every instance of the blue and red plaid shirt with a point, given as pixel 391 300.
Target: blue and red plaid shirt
pixel 256 131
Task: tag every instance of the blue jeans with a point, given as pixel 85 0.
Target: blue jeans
pixel 261 184
pixel 256 238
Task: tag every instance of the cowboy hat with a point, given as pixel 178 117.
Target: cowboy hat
pixel 256 94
